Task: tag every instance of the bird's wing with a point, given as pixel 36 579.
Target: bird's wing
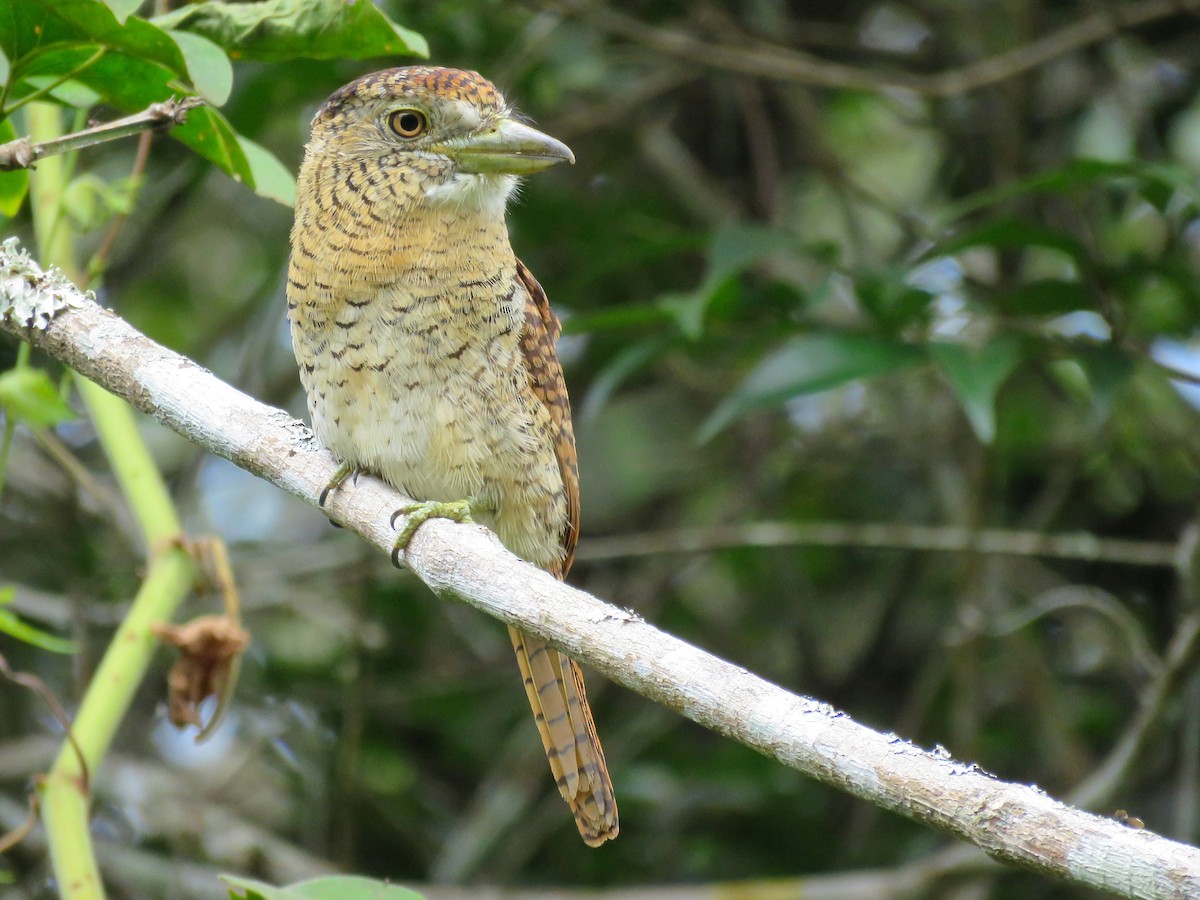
pixel 553 681
pixel 546 378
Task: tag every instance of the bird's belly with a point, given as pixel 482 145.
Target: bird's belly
pixel 448 429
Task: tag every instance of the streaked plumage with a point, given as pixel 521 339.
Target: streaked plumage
pixel 427 349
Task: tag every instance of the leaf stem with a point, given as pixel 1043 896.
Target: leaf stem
pixel 65 795
pixel 10 421
pixel 43 92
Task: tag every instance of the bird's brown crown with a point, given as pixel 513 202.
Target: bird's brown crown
pixel 416 82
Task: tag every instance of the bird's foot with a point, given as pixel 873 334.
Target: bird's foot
pixel 344 471
pixel 417 514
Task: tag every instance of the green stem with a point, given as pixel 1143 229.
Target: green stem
pixel 45 92
pixel 10 422
pixel 133 466
pixel 65 791
pixel 66 795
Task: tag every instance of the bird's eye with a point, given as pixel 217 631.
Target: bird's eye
pixel 408 123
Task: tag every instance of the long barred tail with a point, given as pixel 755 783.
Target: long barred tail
pixel 554 685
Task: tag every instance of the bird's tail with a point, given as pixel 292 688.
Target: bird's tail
pixel 554 685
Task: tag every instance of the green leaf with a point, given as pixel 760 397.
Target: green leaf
pixel 70 92
pixel 1011 233
pixel 892 301
pixel 207 65
pixel 687 310
pixel 627 316
pixel 27 27
pixel 1108 370
pixel 976 376
pixel 333 887
pixel 271 178
pixel 1067 179
pixel 123 9
pixel 732 250
pixel 29 395
pixel 619 369
pixel 14 626
pixel 133 84
pixel 1046 297
pixel 807 364
pixel 276 30
pixel 138 64
pixel 91 201
pixel 116 78
pixel 1158 182
pixel 13 185
pixel 209 133
pixel 36 27
pixel 128 82
pixel 735 247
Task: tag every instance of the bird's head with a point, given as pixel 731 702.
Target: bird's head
pixel 445 134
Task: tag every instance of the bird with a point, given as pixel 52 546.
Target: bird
pixel 427 349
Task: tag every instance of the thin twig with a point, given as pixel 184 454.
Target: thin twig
pixel 761 143
pixel 1079 598
pixel 1174 373
pixel 21 830
pixel 22 153
pixel 10 421
pixel 99 260
pixel 74 468
pixel 898 536
pixel 616 106
pixel 1178 661
pixel 694 187
pixel 780 63
pixel 39 687
pixel 47 90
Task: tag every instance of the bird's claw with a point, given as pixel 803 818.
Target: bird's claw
pixel 344 471
pixel 417 514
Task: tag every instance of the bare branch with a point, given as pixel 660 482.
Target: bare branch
pixel 780 63
pixel 885 535
pixel 1179 662
pixel 33 683
pixel 1012 823
pixel 22 153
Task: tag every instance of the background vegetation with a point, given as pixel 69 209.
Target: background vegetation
pixel 889 263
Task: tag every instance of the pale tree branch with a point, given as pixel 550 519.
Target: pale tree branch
pixel 1013 823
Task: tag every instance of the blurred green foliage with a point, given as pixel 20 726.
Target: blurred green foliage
pixel 783 302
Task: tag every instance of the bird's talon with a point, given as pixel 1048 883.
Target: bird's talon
pixel 417 514
pixel 344 471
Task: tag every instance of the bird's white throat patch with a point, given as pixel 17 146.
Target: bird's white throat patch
pixel 488 194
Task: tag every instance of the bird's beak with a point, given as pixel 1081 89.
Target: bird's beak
pixel 509 148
